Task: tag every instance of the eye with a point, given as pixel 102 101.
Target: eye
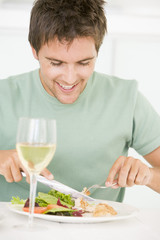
pixel 55 63
pixel 84 63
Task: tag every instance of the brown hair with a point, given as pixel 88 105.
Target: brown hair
pixel 66 20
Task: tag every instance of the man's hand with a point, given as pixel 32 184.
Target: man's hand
pixel 128 171
pixel 11 167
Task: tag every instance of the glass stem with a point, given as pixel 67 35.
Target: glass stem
pixel 33 187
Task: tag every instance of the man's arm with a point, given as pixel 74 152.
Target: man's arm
pixel 128 171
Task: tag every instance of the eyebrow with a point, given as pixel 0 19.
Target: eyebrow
pixel 58 60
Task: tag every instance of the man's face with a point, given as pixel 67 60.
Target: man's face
pixel 65 69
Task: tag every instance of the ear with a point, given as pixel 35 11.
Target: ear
pixel 34 53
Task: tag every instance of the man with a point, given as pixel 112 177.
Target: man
pixel 98 116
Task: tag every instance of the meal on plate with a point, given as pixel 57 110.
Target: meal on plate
pixel 57 203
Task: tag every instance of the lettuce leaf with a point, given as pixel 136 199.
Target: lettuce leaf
pixel 63 197
pixel 59 209
pixel 47 198
pixel 44 198
pixel 41 202
pixel 17 200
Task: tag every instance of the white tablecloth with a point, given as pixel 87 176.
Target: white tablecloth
pixel 144 226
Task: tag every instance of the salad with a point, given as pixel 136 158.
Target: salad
pixel 53 202
pixel 57 203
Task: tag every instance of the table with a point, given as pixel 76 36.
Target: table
pixel 144 226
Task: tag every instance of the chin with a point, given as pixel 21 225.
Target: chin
pixel 68 100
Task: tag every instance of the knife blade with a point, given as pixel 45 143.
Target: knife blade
pixel 61 187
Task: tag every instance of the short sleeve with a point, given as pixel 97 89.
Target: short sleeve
pixel 146 127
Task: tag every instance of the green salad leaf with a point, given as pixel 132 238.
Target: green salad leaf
pixel 44 199
pixel 52 197
pixel 59 209
pixel 17 200
pixel 41 202
pixel 63 197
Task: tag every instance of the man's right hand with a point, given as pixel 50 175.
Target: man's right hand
pixel 11 167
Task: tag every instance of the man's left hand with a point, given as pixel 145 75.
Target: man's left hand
pixel 128 171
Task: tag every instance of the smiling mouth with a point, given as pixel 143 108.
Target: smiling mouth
pixel 66 88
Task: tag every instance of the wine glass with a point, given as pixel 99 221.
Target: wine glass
pixel 36 145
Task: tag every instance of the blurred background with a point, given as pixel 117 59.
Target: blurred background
pixel 130 50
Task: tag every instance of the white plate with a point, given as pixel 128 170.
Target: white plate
pixel 124 211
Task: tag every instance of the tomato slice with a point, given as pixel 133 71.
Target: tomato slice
pixel 36 209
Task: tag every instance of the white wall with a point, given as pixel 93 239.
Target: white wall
pixel 15 51
pixel 130 50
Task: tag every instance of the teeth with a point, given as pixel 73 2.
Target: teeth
pixel 66 87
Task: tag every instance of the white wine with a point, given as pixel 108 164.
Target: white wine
pixel 35 157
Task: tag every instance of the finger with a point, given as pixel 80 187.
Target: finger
pixel 47 174
pixel 16 173
pixel 133 173
pixel 142 174
pixel 131 178
pixel 8 175
pixel 17 168
pixel 148 176
pixel 27 178
pixel 124 172
pixel 26 173
pixel 114 170
pixel 115 182
pixel 146 180
pixel 139 179
pixel 116 185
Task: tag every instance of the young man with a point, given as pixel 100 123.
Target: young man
pixel 98 116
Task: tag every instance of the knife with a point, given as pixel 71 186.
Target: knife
pixel 61 187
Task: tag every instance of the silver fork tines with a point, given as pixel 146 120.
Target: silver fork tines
pixel 100 186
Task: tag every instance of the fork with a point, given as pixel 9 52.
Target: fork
pixel 100 186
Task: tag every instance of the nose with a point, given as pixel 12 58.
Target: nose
pixel 70 74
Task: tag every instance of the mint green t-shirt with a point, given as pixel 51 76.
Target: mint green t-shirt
pixel 108 118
